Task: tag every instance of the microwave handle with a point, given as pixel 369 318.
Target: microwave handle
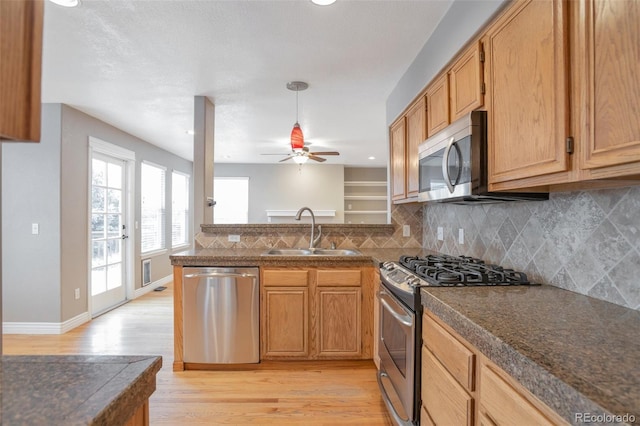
pixel 445 165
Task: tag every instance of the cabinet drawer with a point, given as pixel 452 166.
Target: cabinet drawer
pixel 285 278
pixel 503 404
pixel 456 358
pixel 447 402
pixel 338 277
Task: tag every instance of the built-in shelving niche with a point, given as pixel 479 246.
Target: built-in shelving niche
pixel 365 195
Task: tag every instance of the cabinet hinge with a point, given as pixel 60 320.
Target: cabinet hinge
pixel 483 88
pixel 569 145
pixel 482 56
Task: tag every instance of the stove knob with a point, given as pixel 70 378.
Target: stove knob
pixel 388 266
pixel 413 281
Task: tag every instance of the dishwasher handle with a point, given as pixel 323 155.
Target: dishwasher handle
pixel 220 275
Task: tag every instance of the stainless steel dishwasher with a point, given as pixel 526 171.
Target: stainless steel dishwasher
pixel 221 315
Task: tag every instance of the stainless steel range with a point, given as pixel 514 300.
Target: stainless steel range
pixel 400 314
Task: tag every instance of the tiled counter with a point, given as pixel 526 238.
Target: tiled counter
pixel 75 390
pixel 575 353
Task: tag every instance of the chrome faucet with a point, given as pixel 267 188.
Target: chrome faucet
pixel 313 242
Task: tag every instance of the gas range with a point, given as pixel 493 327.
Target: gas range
pixel 406 276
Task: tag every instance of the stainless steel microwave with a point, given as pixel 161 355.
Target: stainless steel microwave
pixel 453 165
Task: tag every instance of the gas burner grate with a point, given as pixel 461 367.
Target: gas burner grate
pixel 444 270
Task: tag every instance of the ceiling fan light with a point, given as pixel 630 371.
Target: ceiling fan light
pixel 323 2
pixel 297 139
pixel 66 3
pixel 300 159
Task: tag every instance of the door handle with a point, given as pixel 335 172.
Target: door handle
pixel 124 237
pixel 445 164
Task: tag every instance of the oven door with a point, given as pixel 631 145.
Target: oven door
pixel 396 348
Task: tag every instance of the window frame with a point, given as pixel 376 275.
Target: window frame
pixel 187 210
pixel 163 226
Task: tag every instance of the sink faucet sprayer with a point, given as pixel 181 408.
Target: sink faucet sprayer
pixel 313 242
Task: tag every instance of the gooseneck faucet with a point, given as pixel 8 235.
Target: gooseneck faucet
pixel 313 242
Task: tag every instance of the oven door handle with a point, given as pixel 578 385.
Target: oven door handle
pixel 403 319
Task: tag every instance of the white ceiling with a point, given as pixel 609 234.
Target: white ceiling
pixel 138 64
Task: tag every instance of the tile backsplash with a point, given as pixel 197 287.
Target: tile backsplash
pixel 586 241
pixel 344 236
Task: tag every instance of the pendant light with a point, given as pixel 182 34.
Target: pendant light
pixel 297 138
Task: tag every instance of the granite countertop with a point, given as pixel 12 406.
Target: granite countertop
pixel 75 389
pixel 254 257
pixel 575 353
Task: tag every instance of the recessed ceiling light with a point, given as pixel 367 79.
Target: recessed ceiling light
pixel 372 158
pixel 66 3
pixel 190 132
pixel 323 2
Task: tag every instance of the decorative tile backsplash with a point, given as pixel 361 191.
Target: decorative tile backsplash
pixel 587 241
pixel 344 236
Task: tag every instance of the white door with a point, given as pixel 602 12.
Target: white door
pixel 108 232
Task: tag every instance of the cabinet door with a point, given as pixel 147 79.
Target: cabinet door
pixel 338 321
pixel 504 405
pixel 610 40
pixel 398 139
pixel 465 81
pixel 285 327
pixel 416 134
pixel 438 105
pixel 20 69
pixel 528 107
pixel 446 402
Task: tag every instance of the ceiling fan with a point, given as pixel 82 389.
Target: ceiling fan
pixel 300 153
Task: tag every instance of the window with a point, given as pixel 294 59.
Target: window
pixel 179 209
pixel 232 200
pixel 153 211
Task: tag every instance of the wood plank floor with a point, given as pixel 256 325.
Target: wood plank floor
pixel 283 394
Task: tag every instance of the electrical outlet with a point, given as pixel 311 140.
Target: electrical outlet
pixel 406 230
pixel 440 233
pixel 460 236
pixel 234 238
pixel 35 229
pixel 77 293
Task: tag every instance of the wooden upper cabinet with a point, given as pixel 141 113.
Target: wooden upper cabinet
pixel 398 151
pixel 416 134
pixel 438 105
pixel 20 69
pixel 466 82
pixel 609 41
pixel 527 88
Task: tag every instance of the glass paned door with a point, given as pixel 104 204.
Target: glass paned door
pixel 108 232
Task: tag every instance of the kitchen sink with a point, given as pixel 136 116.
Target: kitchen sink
pixel 311 252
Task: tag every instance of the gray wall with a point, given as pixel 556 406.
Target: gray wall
pixel 458 25
pixel 585 241
pixel 289 187
pixel 48 183
pixel 31 194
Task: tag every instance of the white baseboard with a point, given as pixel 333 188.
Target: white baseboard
pixel 146 289
pixel 63 327
pixel 45 327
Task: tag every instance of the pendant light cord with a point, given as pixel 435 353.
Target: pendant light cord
pixel 297 105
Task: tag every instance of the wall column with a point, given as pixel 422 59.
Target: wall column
pixel 203 141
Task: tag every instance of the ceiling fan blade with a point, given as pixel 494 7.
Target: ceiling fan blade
pixel 319 159
pixel 325 153
pixel 285 159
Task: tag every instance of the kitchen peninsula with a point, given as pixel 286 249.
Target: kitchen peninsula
pixel 77 390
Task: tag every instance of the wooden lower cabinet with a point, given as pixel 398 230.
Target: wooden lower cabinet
pixel 141 416
pixel 460 386
pixel 286 321
pixel 316 313
pixel 448 403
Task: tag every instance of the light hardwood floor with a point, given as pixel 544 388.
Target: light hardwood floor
pixel 283 394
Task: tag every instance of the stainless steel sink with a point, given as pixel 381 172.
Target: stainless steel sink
pixel 311 252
